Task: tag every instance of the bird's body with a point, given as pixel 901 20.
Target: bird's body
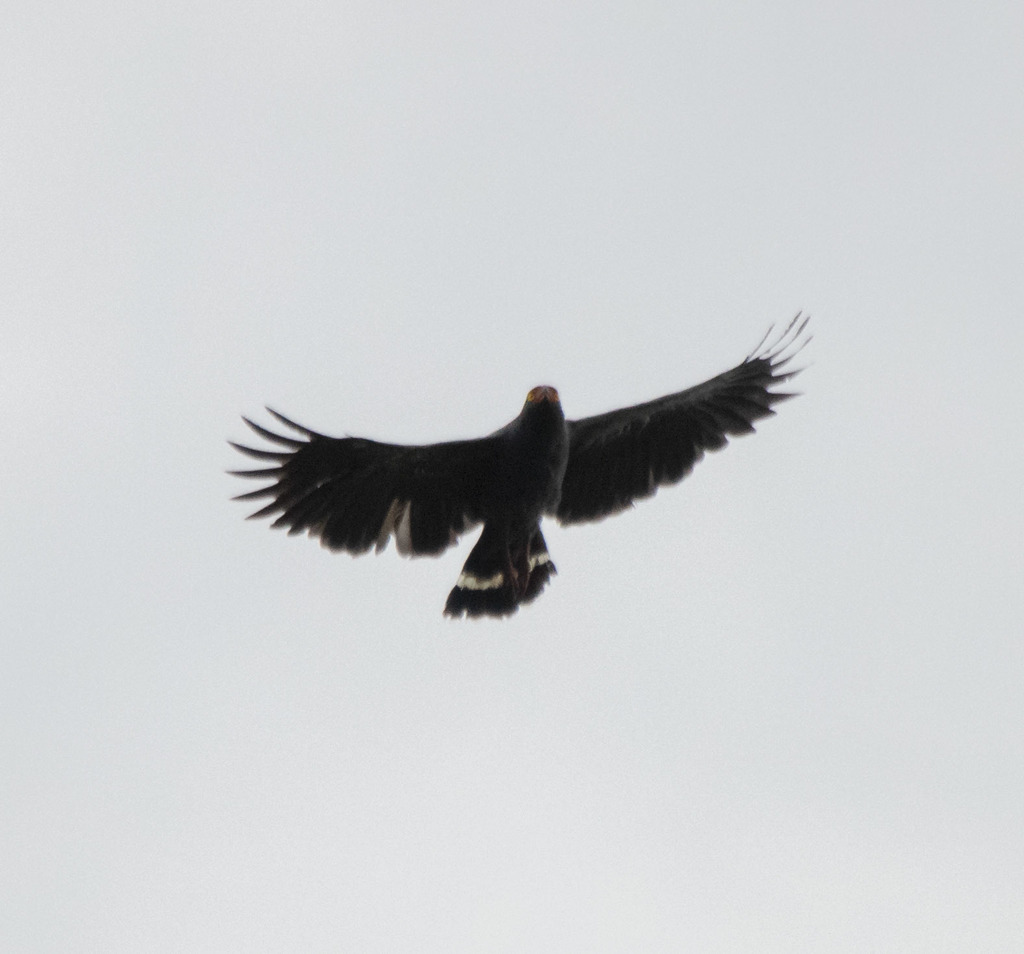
pixel 354 493
pixel 510 563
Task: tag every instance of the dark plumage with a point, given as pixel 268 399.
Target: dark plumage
pixel 355 494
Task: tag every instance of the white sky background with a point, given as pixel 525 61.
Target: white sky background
pixel 777 708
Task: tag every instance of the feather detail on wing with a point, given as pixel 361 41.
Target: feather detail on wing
pixel 354 493
pixel 625 455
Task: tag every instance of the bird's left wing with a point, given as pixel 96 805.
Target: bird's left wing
pixel 624 455
pixel 354 493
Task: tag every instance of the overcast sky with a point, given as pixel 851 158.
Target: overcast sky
pixel 776 708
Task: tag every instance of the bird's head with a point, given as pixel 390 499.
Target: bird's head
pixel 541 394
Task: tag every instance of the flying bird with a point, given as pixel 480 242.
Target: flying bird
pixel 354 494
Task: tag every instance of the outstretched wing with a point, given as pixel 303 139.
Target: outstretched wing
pixel 624 455
pixel 354 494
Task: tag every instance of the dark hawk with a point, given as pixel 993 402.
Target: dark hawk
pixel 354 494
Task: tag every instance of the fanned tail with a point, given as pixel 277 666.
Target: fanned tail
pixel 498 577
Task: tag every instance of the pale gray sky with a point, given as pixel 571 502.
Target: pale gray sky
pixel 776 708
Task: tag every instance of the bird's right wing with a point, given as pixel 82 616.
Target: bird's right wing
pixel 354 493
pixel 624 455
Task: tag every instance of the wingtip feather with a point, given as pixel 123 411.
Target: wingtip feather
pixel 271 436
pixel 290 423
pixel 279 456
pixel 789 342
